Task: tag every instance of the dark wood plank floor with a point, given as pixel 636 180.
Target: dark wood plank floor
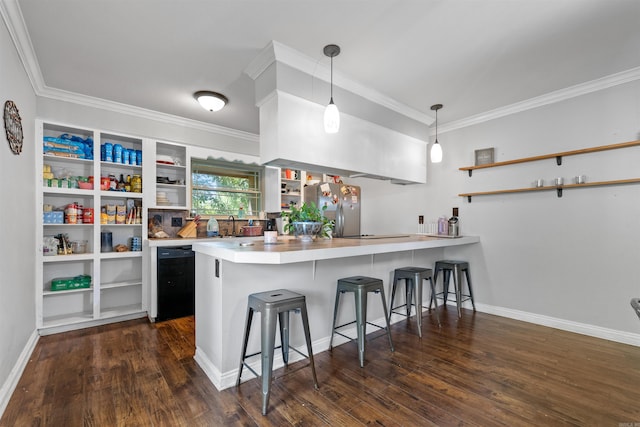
pixel 482 370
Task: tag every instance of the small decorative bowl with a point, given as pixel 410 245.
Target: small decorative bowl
pixel 84 185
pixel 307 230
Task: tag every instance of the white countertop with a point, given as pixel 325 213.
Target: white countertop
pixel 290 250
pixel 178 241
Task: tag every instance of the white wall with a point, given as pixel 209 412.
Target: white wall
pixel 569 258
pixel 17 216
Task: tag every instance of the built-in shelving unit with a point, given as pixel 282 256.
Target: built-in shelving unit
pixel 116 291
pixel 291 184
pixel 558 156
pixel 172 176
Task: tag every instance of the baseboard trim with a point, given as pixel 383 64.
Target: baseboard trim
pixel 10 384
pixel 562 324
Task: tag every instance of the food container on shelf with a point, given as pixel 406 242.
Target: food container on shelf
pixel 66 283
pixel 49 246
pixel 79 246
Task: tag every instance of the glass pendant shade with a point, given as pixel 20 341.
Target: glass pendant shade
pixel 211 101
pixel 331 118
pixel 436 152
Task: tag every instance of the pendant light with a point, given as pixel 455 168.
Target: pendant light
pixel 331 113
pixel 436 149
pixel 211 101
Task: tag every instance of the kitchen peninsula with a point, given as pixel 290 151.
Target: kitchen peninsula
pixel 227 271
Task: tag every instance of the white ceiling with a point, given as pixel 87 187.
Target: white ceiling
pixel 473 56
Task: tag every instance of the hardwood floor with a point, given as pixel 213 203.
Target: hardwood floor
pixel 481 370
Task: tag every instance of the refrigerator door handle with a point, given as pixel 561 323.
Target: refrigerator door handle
pixel 339 221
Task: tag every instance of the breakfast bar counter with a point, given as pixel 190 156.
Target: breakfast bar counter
pixel 229 270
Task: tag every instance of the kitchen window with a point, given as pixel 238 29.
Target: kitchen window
pixel 220 188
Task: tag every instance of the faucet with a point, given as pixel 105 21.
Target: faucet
pixel 233 227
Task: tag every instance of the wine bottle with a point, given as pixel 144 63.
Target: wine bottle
pixel 120 185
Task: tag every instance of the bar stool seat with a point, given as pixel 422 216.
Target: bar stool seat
pixel 274 305
pixel 449 267
pixel 413 277
pixel 360 286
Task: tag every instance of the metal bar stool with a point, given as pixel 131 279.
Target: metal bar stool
pixel 360 286
pixel 635 303
pixel 413 277
pixel 279 302
pixel 456 267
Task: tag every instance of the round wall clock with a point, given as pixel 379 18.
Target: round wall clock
pixel 13 126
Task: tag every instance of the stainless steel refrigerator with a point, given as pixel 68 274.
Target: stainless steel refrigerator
pixel 343 205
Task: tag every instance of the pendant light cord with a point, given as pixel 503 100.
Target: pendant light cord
pixel 436 126
pixel 435 108
pixel 332 80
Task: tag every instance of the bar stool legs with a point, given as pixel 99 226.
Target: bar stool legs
pixel 413 277
pixel 455 268
pixel 360 286
pixel 274 306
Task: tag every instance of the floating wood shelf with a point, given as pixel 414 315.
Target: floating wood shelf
pixel 557 156
pixel 558 189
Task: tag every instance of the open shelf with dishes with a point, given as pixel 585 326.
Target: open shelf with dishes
pixel 73 205
pixel 290 188
pixel 172 176
pixel 292 183
pixel 560 187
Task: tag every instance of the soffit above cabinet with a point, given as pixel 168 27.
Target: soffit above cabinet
pixel 374 141
pixel 292 135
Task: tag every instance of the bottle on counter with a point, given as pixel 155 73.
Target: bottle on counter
pixel 454 226
pixel 241 212
pixel 270 233
pixel 443 225
pixel 212 227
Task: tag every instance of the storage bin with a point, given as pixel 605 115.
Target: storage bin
pixel 66 283
pixel 54 217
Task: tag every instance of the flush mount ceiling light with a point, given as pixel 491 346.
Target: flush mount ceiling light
pixel 211 101
pixel 436 149
pixel 331 113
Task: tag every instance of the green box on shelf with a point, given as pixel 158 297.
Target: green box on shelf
pixel 66 283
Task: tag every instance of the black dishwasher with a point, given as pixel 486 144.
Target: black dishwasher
pixel 176 282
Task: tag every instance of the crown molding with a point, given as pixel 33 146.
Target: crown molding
pixel 93 102
pixel 261 62
pixel 12 16
pixel 276 51
pixel 546 99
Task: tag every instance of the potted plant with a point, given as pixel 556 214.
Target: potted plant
pixel 307 220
